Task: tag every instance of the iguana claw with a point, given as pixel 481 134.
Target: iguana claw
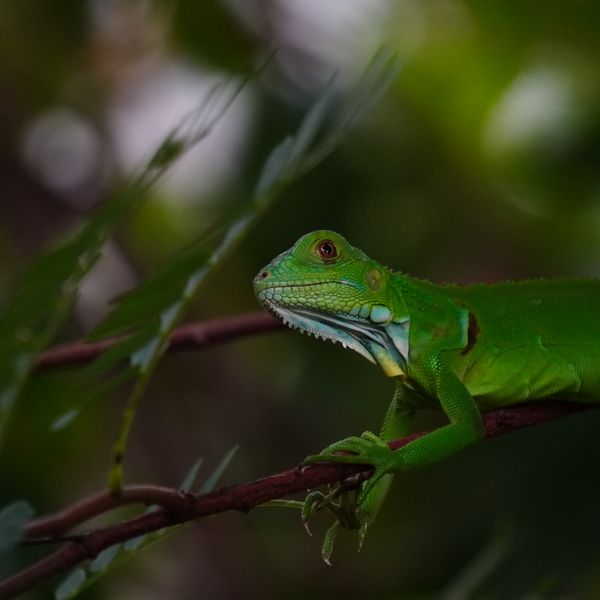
pixel 344 507
pixel 312 503
pixel 362 533
pixel 327 548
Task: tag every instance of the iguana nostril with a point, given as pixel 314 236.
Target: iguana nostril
pixel 265 275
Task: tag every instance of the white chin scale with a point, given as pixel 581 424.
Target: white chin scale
pixel 320 330
pixel 382 344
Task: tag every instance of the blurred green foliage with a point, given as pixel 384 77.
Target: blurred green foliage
pixel 480 163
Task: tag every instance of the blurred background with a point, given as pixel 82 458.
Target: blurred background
pixel 481 163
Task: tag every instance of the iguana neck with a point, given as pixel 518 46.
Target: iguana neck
pixel 438 319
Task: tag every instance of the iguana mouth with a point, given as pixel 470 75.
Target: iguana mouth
pixel 382 344
pixel 261 287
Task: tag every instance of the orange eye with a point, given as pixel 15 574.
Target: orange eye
pixel 326 250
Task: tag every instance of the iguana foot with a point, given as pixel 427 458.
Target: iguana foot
pixel 343 505
pixel 368 449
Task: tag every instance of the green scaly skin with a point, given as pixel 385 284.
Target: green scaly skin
pixel 457 348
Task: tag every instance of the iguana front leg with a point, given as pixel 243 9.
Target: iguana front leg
pixel 465 428
pixel 396 424
pixel 352 509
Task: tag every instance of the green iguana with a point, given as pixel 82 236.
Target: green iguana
pixel 457 348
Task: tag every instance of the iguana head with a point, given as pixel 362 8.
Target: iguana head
pixel 325 287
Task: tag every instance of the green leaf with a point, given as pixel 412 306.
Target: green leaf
pixel 382 70
pixel 273 168
pixel 159 291
pixel 214 477
pixel 65 419
pixel 311 124
pixel 120 352
pixel 71 585
pixel 380 73
pixel 136 542
pixel 104 559
pixel 191 475
pixel 12 519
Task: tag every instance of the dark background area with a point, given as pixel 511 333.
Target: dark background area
pixel 481 163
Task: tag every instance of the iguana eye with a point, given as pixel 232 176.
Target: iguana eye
pixel 327 250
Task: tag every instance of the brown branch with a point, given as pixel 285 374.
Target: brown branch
pixel 179 507
pixel 102 502
pixel 192 335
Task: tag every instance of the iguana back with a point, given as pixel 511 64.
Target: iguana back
pixel 530 340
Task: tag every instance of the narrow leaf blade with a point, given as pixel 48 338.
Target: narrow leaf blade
pixel 212 480
pixel 12 519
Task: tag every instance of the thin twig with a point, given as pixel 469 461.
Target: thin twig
pixel 102 502
pixel 180 507
pixel 192 335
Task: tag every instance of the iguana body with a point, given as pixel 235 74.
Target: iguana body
pixel 458 348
